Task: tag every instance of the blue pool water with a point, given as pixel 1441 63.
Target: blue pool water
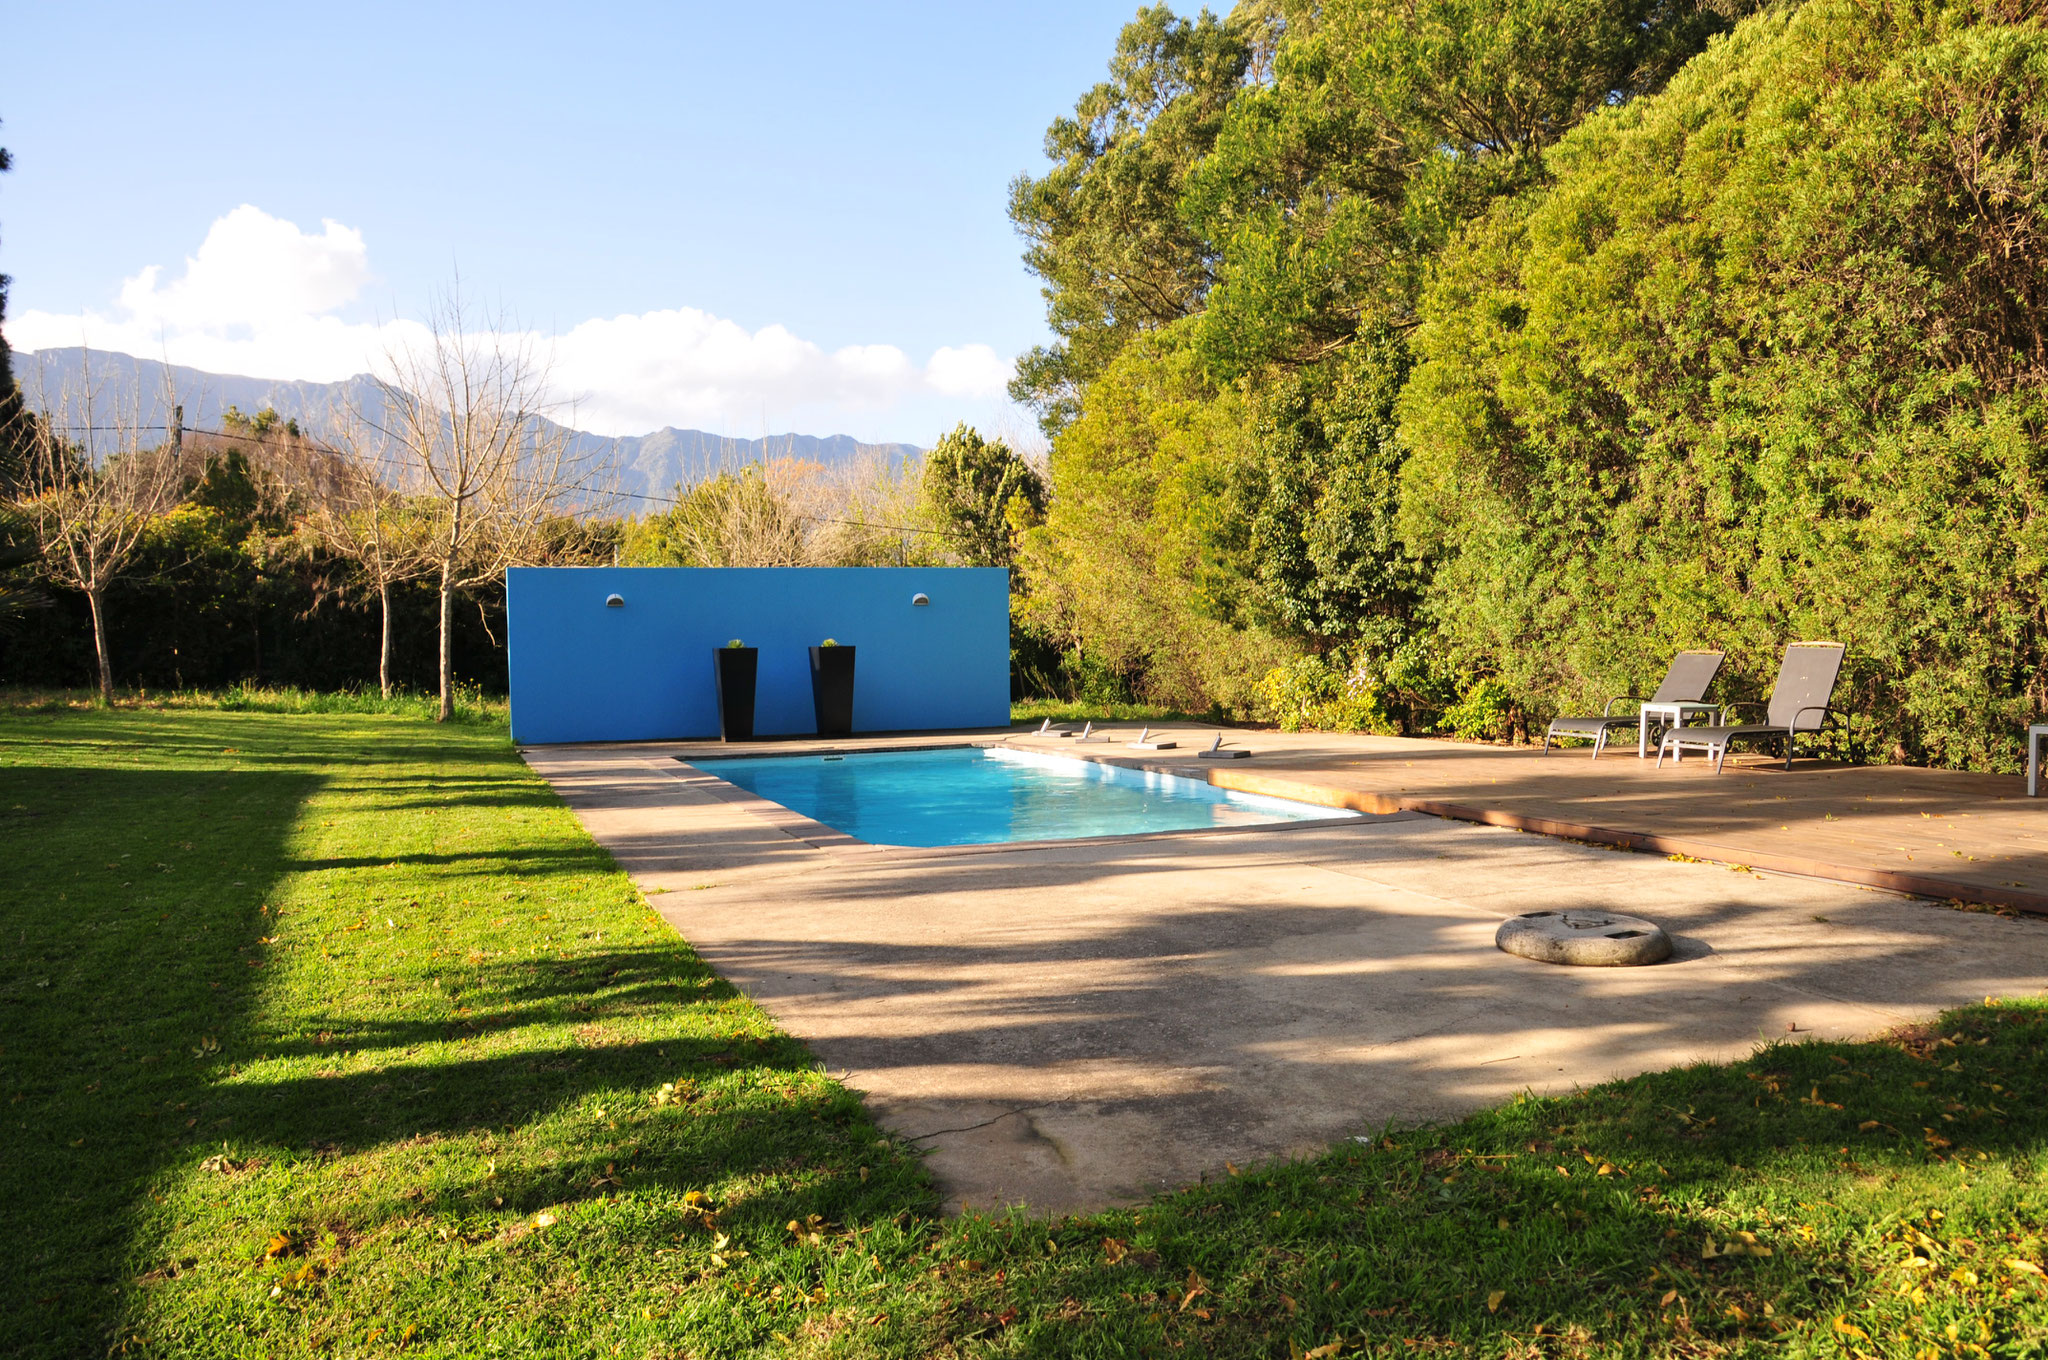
pixel 982 796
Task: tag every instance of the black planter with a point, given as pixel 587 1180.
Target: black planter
pixel 736 667
pixel 832 689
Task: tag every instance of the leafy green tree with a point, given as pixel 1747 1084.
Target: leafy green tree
pixel 1141 562
pixel 1388 124
pixel 1321 497
pixel 18 559
pixel 978 494
pixel 1103 226
pixel 1764 362
pixel 1254 203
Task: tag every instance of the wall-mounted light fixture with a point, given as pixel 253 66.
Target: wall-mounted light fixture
pixel 920 599
pixel 614 602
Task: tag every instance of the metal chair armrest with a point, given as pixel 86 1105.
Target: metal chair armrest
pixel 1822 709
pixel 1608 711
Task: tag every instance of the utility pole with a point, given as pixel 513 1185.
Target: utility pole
pixel 177 431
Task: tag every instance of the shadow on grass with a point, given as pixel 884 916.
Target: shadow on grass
pixel 134 1037
pixel 120 986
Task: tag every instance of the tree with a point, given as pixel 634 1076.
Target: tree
pixel 18 562
pixel 978 493
pixel 466 410
pixel 17 436
pixel 91 503
pixel 1103 226
pixel 387 534
pixel 733 518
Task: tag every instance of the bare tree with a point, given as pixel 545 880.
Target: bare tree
pixel 94 486
pixel 465 409
pixel 362 503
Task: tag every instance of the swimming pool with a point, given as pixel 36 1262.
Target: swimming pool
pixel 990 795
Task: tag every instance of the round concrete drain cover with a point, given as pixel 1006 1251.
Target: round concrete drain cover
pixel 1596 939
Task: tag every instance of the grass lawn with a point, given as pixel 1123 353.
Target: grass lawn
pixel 332 1034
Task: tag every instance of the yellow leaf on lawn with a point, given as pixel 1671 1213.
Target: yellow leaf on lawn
pixel 1323 1352
pixel 1867 1125
pixel 1670 1297
pixel 2016 1263
pixel 1848 1328
pixel 1493 1300
pixel 544 1219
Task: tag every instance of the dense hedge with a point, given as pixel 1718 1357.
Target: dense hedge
pixel 1765 361
pixel 1499 348
pixel 213 600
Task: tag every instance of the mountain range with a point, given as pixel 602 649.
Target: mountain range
pixel 648 466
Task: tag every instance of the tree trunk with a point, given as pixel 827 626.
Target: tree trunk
pixel 99 646
pixel 447 643
pixel 384 642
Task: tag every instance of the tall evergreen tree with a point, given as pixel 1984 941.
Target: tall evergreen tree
pixel 14 439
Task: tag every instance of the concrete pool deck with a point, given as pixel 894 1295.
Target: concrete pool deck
pixel 1065 1025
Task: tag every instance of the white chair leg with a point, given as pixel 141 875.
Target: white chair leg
pixel 1599 742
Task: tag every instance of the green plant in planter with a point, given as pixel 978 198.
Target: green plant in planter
pixel 829 642
pixel 735 643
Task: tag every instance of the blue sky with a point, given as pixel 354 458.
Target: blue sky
pixel 733 217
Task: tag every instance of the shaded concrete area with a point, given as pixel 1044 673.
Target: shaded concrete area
pixel 1065 1025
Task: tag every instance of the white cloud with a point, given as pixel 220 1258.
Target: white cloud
pixel 254 270
pixel 260 297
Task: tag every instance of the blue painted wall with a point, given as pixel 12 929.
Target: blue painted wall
pixel 582 672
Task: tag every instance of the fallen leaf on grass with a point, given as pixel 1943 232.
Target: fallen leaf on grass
pixel 1114 1251
pixel 2014 1263
pixel 1848 1328
pixel 1493 1299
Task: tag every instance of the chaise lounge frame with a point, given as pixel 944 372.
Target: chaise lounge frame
pixel 1685 682
pixel 1801 701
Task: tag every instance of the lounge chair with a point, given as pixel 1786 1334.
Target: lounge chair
pixel 1685 683
pixel 1799 703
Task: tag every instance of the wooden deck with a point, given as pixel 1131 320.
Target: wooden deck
pixel 1934 833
